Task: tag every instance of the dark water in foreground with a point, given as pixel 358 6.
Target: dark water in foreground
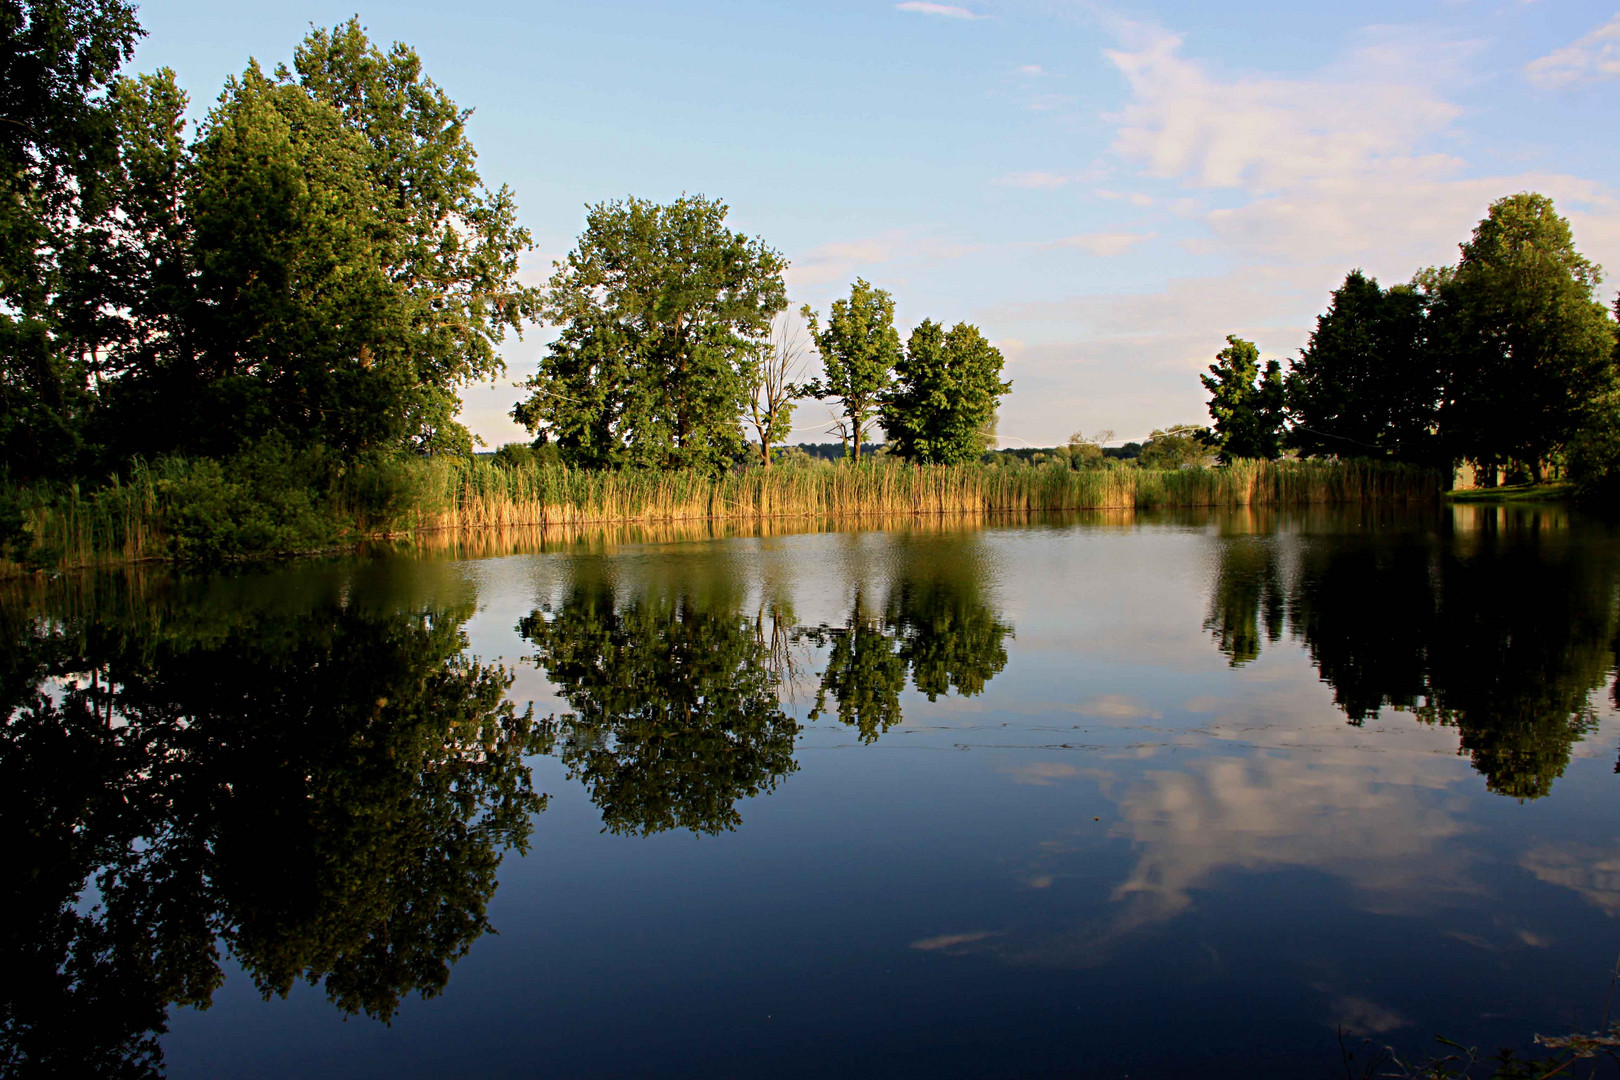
pixel 1178 797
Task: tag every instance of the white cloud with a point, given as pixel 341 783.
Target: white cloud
pixel 1048 102
pixel 1333 168
pixel 1263 134
pixel 949 11
pixel 1103 244
pixel 1595 56
pixel 1286 182
pixel 1135 198
pixel 1376 830
pixel 1041 773
pixel 1032 70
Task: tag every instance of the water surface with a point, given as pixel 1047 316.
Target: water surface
pixel 1143 796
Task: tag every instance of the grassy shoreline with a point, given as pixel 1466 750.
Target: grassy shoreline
pixel 179 511
pixel 1552 491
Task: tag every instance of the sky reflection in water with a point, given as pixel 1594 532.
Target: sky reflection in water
pixel 1103 796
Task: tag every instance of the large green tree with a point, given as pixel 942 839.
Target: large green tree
pixel 1366 385
pixel 859 348
pixel 662 312
pixel 58 59
pixel 345 269
pixel 1246 402
pixel 320 263
pixel 1526 350
pixel 944 398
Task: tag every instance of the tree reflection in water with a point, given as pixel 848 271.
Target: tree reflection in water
pixel 1501 631
pixel 937 625
pixel 675 714
pixel 321 787
pixel 674 691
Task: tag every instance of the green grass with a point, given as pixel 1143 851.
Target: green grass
pixel 1551 491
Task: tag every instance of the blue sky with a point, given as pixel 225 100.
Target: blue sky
pixel 1107 191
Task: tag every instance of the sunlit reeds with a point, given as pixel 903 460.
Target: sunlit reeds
pixel 126 520
pixel 480 495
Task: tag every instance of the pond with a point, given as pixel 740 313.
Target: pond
pixel 1196 794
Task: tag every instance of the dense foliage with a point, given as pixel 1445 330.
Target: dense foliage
pixel 1527 350
pixel 942 406
pixel 320 262
pixel 58 155
pixel 1367 385
pixel 1506 360
pixel 663 312
pixel 1246 402
pixel 859 348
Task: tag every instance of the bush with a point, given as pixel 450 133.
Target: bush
pixel 515 455
pixel 1593 461
pixel 267 500
pixel 385 493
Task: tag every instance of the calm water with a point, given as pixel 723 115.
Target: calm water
pixel 1164 797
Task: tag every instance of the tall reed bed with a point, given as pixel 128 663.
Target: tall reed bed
pixel 461 495
pixel 119 522
pixel 200 509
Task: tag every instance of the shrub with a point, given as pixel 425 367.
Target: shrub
pixel 266 500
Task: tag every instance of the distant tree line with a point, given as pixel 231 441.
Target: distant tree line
pixel 1506 360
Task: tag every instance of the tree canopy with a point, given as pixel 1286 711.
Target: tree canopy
pixel 1245 402
pixel 662 311
pixel 321 261
pixel 943 401
pixel 1366 385
pixel 58 150
pixel 1525 348
pixel 859 348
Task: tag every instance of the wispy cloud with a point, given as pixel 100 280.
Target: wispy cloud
pixel 1288 179
pixel 952 941
pixel 949 11
pixel 1264 134
pixel 1595 56
pixel 1034 71
pixel 1040 773
pixel 1103 244
pixel 841 260
pixel 1037 180
pixel 1593 872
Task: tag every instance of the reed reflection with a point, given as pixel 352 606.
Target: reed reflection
pixel 1501 632
pixel 319 785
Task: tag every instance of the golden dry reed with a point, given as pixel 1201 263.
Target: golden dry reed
pixel 481 495
pixel 126 520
